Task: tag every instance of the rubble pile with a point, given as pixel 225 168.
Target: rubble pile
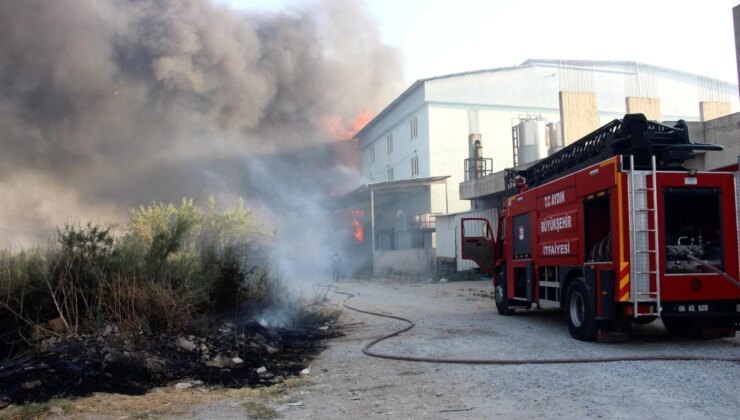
pixel 111 361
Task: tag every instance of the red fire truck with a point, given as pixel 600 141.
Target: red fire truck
pixel 614 230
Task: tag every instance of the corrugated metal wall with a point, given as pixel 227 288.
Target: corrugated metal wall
pixel 448 235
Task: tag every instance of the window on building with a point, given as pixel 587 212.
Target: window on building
pixel 372 153
pixel 415 166
pixel 389 141
pixel 390 174
pixel 413 126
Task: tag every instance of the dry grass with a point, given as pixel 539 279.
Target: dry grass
pixel 161 402
pixel 259 411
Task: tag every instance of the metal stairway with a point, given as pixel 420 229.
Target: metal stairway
pixel 644 255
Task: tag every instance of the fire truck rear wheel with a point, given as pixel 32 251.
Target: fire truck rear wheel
pixel 502 303
pixel 581 312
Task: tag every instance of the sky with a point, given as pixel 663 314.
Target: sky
pixel 438 37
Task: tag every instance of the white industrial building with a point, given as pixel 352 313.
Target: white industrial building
pixel 427 131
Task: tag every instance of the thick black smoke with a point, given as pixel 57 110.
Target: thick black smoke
pixel 107 104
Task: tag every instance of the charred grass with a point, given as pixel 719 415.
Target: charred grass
pixel 102 307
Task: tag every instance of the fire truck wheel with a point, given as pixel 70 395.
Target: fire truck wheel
pixel 580 309
pixel 502 303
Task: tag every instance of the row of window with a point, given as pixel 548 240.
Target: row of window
pixel 414 168
pixel 413 127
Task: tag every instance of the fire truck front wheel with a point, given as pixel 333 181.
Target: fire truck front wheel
pixel 581 311
pixel 502 303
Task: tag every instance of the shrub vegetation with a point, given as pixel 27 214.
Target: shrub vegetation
pixel 168 265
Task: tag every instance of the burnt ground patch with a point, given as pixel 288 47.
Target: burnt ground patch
pixel 114 362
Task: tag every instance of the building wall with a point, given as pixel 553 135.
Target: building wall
pixel 448 149
pixel 397 123
pixel 408 262
pixel 449 144
pixel 724 131
pixel 404 149
pixel 500 97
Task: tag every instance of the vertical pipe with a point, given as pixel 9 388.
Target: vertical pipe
pixel 372 231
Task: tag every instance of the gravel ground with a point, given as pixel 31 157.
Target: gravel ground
pixel 459 320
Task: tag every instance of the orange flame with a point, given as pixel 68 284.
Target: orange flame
pixel 338 129
pixel 359 232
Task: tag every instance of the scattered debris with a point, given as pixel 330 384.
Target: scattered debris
pixel 217 362
pixel 306 371
pixel 295 404
pixel 113 361
pixel 452 410
pixel 324 327
pixel 186 344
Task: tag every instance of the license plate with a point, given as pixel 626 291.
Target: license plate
pixel 693 308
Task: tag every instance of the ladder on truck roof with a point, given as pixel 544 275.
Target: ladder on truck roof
pixel 644 255
pixel 634 135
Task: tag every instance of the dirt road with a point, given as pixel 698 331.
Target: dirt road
pixel 459 320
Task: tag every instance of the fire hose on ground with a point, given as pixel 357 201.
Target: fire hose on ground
pixel 366 349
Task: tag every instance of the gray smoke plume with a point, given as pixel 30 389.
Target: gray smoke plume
pixel 108 104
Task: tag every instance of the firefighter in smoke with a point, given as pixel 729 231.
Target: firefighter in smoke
pixel 335 264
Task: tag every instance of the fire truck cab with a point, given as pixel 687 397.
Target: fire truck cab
pixel 614 230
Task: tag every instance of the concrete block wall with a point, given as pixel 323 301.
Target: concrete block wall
pixel 407 261
pixel 642 105
pixel 578 115
pixel 709 110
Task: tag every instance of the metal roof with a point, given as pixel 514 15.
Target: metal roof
pixel 532 62
pixel 362 193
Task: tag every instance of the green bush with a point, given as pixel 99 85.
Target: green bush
pixel 167 266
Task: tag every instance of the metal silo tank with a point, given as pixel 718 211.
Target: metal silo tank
pixel 554 138
pixel 532 146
